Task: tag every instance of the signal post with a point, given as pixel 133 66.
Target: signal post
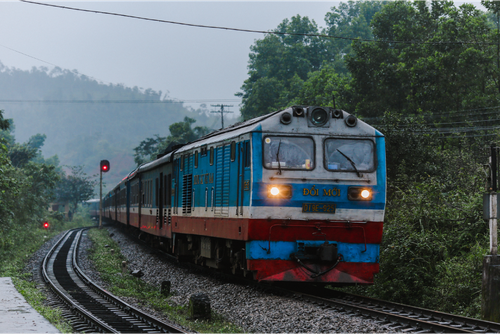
pixel 103 168
pixel 490 305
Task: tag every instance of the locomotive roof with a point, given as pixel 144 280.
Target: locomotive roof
pixel 241 127
pixel 235 130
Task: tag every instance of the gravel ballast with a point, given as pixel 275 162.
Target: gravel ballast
pixel 247 307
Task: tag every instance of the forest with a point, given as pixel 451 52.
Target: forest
pixel 85 121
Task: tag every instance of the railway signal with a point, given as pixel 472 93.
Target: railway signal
pixel 104 166
pixel 104 169
pixel 46 225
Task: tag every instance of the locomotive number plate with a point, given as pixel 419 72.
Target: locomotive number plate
pixel 319 207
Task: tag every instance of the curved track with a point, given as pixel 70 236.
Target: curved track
pixel 94 308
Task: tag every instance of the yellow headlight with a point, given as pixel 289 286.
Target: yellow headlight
pixel 360 194
pixel 279 191
pixel 274 191
pixel 365 193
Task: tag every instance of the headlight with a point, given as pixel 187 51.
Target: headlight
pixel 319 117
pixel 279 191
pixel 360 194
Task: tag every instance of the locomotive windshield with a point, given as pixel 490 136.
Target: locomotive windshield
pixel 282 152
pixel 349 155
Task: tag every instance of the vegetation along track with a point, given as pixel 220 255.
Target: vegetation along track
pixel 402 318
pixel 94 309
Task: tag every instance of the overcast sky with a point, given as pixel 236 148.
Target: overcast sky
pixel 190 63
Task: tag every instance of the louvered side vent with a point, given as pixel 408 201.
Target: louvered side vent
pixel 187 193
pixel 222 181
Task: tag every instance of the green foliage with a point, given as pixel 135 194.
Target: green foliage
pixel 75 188
pixel 275 60
pixel 411 154
pixel 434 234
pixel 147 149
pixel 286 69
pixel 17 245
pixel 36 299
pixel 123 284
pixel 4 123
pixel 180 133
pixel 97 122
pixel 323 87
pixel 350 20
pixel 444 70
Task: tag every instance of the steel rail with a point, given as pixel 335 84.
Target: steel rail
pixel 89 317
pixel 113 315
pixel 117 301
pixel 404 317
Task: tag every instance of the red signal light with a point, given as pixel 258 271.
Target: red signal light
pixel 45 225
pixel 104 166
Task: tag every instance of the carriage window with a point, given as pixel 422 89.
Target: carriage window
pixel 233 151
pixel 246 156
pixel 288 152
pixel 349 155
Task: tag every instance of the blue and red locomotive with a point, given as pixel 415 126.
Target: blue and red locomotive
pixel 296 195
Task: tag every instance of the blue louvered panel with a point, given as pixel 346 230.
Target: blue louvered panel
pixel 222 180
pixel 187 184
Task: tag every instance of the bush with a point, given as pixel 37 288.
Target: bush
pixel 434 235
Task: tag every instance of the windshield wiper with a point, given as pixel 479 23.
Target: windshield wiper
pixel 352 163
pixel 278 158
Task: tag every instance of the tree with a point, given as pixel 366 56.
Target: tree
pixel 324 88
pixel 4 123
pixel 146 149
pixel 351 20
pixel 180 133
pixel 75 188
pixel 426 59
pixel 275 60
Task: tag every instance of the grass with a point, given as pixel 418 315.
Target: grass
pixel 125 285
pixel 22 244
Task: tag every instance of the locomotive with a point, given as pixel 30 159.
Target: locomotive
pixel 296 195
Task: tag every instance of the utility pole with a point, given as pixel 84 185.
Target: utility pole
pixel 221 111
pixel 490 305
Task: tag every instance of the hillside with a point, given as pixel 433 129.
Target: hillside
pixel 86 121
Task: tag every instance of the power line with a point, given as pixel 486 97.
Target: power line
pixel 119 101
pixel 451 113
pixel 221 111
pixel 27 55
pixel 250 30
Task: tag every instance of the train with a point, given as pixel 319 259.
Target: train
pixel 296 195
pixel 93 206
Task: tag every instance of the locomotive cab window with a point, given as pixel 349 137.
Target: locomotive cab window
pixel 282 152
pixel 349 155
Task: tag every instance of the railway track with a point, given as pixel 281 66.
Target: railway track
pixel 400 317
pixel 94 309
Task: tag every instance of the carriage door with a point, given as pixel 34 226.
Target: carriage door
pixel 167 199
pixel 117 202
pixel 243 171
pixel 160 192
pixel 222 168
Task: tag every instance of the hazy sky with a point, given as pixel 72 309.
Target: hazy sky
pixel 190 63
